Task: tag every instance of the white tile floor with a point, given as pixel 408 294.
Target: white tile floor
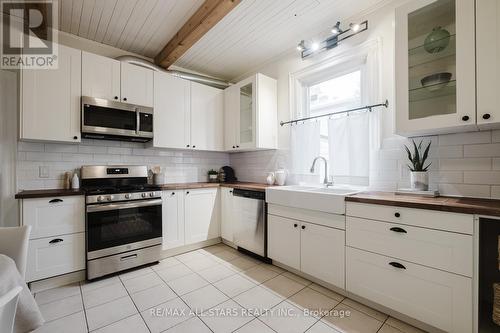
pixel 215 289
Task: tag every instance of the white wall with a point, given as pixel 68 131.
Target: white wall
pixel 463 164
pixel 8 151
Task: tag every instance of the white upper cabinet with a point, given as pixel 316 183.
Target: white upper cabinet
pixel 207 109
pixel 250 114
pixel 172 100
pixel 488 63
pixel 435 67
pixel 100 76
pixel 136 85
pixel 50 100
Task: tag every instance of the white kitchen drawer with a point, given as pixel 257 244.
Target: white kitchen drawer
pixel 312 216
pixel 440 299
pixel 448 251
pixel 65 254
pixel 283 243
pixel 54 216
pixel 447 221
pixel 322 253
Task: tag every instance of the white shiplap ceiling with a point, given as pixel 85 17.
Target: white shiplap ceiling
pixel 139 26
pixel 257 31
pixel 254 32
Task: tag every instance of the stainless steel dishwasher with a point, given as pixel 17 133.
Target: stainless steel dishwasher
pixel 250 231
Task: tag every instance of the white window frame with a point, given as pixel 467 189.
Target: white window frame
pixel 299 80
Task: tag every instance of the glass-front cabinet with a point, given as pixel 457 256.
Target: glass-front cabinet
pixel 435 67
pixel 250 114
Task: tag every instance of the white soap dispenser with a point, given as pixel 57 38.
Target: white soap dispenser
pixel 75 182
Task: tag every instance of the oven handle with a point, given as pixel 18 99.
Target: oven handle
pixel 114 206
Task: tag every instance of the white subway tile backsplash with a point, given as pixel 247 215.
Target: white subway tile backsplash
pixel 464 138
pixel 485 150
pixel 480 191
pixel 465 164
pixel 482 177
pixel 180 166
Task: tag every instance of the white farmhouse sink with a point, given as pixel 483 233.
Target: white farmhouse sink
pixel 330 200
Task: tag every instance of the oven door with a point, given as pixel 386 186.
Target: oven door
pixel 124 226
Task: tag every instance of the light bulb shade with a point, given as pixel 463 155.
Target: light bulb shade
pixel 355 27
pixel 315 46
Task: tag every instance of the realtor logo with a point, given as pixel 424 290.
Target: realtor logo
pixel 28 38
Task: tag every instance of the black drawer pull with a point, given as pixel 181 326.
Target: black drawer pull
pixel 397 265
pixel 56 200
pixel 295 225
pixel 303 227
pixel 56 240
pixel 397 214
pixel 486 116
pixel 465 118
pixel 187 192
pixel 397 229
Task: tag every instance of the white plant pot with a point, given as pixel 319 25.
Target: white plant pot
pixel 419 180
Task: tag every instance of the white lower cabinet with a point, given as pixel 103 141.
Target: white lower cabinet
pixel 322 253
pixel 435 297
pixel 173 219
pixel 227 214
pixel 284 240
pixel 57 239
pixel 314 249
pixel 51 256
pixel 190 216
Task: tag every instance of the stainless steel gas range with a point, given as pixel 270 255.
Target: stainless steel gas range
pixel 123 218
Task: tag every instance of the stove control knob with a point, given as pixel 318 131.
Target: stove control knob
pixel 100 198
pixel 128 196
pixel 143 195
pixel 152 194
pixel 110 197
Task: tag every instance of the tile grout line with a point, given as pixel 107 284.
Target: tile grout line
pixel 132 300
pixel 83 306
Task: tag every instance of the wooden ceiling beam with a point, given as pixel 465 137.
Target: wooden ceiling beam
pixel 204 19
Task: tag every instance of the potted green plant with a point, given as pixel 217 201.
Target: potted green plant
pixel 213 176
pixel 419 178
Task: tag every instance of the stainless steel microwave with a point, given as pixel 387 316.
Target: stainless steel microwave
pixel 111 120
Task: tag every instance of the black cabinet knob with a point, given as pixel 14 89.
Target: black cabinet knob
pixel 486 116
pixel 397 229
pixel 187 192
pixel 173 193
pixel 397 265
pixel 194 146
pixel 234 146
pixel 237 146
pixel 303 227
pixel 295 225
pixel 116 97
pixel 125 99
pixel 397 214
pixel 75 138
pixel 465 118
pixel 187 146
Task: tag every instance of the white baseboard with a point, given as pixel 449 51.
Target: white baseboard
pixel 57 281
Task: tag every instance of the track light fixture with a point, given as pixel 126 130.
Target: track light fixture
pixel 336 29
pixel 338 35
pixel 301 46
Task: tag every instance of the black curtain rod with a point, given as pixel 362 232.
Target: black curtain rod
pixel 368 107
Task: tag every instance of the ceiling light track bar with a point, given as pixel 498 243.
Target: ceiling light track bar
pixel 331 42
pixel 362 108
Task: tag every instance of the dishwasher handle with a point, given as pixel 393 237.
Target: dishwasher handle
pixel 249 194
